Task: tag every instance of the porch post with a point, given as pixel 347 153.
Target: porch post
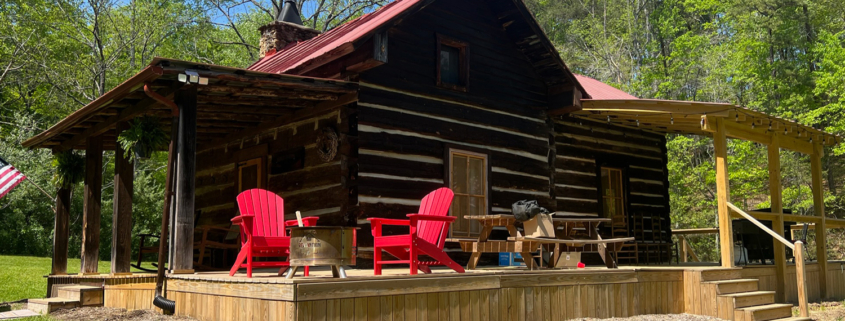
pixel 92 205
pixel 60 232
pixel 121 250
pixel 777 224
pixel 821 226
pixel 183 225
pixel 720 145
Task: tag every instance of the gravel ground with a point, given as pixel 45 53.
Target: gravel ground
pixel 659 317
pixel 112 314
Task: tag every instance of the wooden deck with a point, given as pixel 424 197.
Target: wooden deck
pixel 509 293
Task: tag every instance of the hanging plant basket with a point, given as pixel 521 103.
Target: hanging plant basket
pixel 144 137
pixel 141 151
pixel 70 169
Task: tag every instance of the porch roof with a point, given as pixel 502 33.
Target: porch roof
pixel 236 103
pixel 698 118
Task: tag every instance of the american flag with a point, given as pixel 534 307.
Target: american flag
pixel 9 177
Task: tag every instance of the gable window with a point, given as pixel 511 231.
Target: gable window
pixel 468 179
pixel 452 63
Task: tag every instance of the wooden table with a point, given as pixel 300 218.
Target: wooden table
pixel 482 244
pixel 516 244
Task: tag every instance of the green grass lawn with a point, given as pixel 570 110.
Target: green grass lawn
pixel 22 277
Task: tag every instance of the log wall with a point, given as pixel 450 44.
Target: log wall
pixel 407 124
pixel 315 189
pixel 582 147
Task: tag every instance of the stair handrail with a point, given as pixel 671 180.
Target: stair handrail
pixel 797 250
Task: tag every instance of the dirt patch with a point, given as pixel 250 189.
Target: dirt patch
pixel 827 311
pixel 113 314
pixel 659 317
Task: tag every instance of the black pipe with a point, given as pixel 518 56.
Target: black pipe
pixel 167 306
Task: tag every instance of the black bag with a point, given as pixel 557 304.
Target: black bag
pixel 525 210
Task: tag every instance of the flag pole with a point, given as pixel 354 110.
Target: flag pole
pixel 41 189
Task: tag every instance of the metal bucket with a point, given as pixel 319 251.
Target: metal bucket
pixel 321 245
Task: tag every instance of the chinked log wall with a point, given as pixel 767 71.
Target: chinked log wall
pixel 317 189
pixel 580 144
pixel 407 124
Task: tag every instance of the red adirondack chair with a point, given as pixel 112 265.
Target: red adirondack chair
pixel 428 230
pixel 264 231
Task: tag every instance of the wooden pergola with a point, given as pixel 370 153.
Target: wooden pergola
pixel 722 121
pixel 212 106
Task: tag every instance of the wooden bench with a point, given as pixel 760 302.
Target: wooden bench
pixel 607 247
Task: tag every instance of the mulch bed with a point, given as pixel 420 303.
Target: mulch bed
pixel 113 314
pixel 659 317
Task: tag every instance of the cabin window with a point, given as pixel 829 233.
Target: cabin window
pixel 452 63
pixel 249 174
pixel 468 179
pixel 612 196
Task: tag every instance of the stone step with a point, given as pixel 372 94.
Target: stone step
pixel 44 306
pixel 86 295
pixel 735 286
pixel 750 299
pixel 763 312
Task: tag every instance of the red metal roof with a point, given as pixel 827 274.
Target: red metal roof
pixel 300 53
pixel 599 90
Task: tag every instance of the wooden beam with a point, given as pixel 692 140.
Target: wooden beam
pixel 60 232
pixel 92 204
pixel 121 249
pixel 800 276
pixel 736 130
pixel 659 106
pixel 818 205
pixel 720 144
pixel 834 223
pixel 182 252
pixel 691 231
pixel 281 121
pixel 777 224
pixel 124 115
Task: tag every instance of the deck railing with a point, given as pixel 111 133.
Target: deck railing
pixel 797 249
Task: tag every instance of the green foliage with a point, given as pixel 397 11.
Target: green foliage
pixel 70 169
pixel 55 57
pixel 145 136
pixel 22 277
pixel 785 58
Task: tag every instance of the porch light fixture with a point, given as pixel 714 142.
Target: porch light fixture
pixel 671 119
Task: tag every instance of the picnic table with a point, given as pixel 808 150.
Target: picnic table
pixel 482 244
pixel 517 243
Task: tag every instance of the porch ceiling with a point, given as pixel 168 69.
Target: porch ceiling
pixel 697 118
pixel 235 103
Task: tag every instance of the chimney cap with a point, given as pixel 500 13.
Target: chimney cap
pixel 289 13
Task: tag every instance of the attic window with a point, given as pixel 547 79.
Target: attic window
pixel 452 63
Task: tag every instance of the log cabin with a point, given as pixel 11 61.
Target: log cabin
pixel 365 119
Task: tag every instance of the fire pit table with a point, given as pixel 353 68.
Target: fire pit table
pixel 322 246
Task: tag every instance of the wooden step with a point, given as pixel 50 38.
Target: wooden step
pixel 735 286
pixel 86 295
pixel 794 319
pixel 721 274
pixel 44 306
pixel 750 299
pixel 763 312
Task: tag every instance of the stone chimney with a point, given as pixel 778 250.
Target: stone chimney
pixel 285 30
